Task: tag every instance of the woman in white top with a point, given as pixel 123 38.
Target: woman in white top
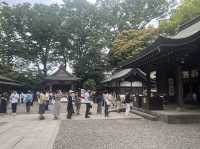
pixel 56 104
pixel 14 97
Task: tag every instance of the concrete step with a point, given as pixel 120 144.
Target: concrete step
pixel 116 110
pixel 145 115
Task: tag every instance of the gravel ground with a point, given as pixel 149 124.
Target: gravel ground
pixel 126 134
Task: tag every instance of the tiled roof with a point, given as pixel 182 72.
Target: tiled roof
pixel 125 73
pixel 62 75
pixel 187 34
pixel 8 81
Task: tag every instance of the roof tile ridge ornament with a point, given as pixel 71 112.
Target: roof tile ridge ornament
pixel 63 67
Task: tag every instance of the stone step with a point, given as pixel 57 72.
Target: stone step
pixel 145 115
pixel 116 110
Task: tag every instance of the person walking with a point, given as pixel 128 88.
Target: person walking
pixel 41 102
pixel 87 102
pixel 77 102
pixel 99 100
pixel 3 99
pixel 14 97
pixel 28 101
pixel 56 103
pixel 127 103
pixel 108 101
pixel 70 105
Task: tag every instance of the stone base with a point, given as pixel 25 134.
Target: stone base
pixel 178 117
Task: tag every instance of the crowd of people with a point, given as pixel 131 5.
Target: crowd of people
pixel 74 99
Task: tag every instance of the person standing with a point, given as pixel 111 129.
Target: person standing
pixel 99 100
pixel 28 101
pixel 118 102
pixel 41 102
pixel 70 105
pixel 14 99
pixel 77 103
pixel 108 101
pixel 56 103
pixel 87 102
pixel 4 99
pixel 22 96
pixel 47 101
pixel 127 102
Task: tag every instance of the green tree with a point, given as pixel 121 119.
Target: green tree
pixel 89 84
pixel 125 18
pixel 35 29
pixel 131 42
pixel 7 36
pixel 86 39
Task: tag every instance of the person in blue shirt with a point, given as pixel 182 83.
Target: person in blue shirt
pixel 28 101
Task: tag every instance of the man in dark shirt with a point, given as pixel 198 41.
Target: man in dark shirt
pixel 70 105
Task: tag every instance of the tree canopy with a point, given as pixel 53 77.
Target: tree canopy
pixel 185 12
pixel 131 42
pixel 36 38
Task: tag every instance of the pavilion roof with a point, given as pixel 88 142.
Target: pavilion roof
pixel 7 81
pixel 5 78
pixel 189 33
pixel 10 83
pixel 62 75
pixel 124 73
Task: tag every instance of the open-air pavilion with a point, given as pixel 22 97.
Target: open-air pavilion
pixel 7 84
pixel 60 80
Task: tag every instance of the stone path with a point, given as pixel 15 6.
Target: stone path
pixel 27 132
pixel 126 134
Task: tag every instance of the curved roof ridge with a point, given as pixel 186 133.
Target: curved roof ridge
pixel 62 74
pixel 189 23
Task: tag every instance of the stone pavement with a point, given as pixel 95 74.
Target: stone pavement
pixel 126 134
pixel 25 131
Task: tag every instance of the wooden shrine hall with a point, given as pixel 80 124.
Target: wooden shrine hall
pixel 176 62
pixel 60 80
pixel 126 80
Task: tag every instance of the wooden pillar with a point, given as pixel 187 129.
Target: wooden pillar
pixel 119 87
pixel 179 86
pixel 148 85
pixel 131 87
pixel 50 87
pixel 72 87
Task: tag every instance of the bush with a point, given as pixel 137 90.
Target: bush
pixel 89 84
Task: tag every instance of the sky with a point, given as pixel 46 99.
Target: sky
pixel 37 1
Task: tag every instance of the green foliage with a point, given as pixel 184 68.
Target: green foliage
pixel 131 42
pixel 87 33
pixel 124 16
pixel 34 38
pixel 89 84
pixel 188 10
